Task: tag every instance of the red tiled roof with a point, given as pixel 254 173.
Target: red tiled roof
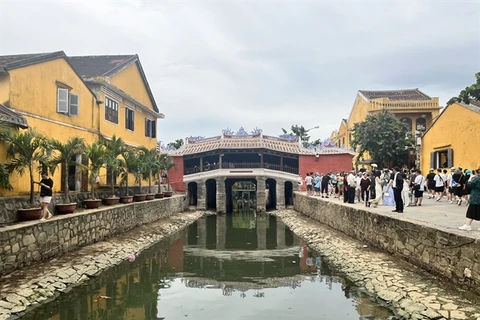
pixel 258 141
pixel 396 95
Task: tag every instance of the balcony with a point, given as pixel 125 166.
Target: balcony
pixel 242 165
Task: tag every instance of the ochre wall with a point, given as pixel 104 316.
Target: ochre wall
pixel 130 81
pixel 457 128
pixel 176 175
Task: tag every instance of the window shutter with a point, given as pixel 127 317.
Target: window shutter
pixel 132 120
pixel 62 100
pixel 146 127
pixel 450 158
pixel 432 160
pixel 126 119
pixel 73 108
pixel 154 129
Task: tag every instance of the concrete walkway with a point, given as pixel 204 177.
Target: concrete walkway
pixel 440 215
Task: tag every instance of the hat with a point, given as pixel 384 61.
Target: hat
pixel 374 165
pixel 452 168
pixel 468 172
pixel 431 169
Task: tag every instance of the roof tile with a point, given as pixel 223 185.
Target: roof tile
pixel 396 95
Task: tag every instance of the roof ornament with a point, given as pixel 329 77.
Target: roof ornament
pixel 288 136
pixel 196 138
pixel 164 147
pixel 241 132
pixel 256 131
pixel 228 132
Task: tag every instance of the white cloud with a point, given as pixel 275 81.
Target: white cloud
pixel 213 65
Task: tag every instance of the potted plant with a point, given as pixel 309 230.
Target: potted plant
pixel 26 150
pixel 139 174
pixel 167 164
pixel 130 166
pixel 151 165
pixel 63 153
pixel 113 149
pixel 95 153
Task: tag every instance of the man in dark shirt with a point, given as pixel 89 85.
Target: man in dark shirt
pixel 46 186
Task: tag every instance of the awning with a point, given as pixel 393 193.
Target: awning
pixel 13 117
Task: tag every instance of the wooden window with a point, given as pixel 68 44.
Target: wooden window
pixel 111 110
pixel 150 128
pixel 129 119
pixel 73 105
pixel 441 159
pixel 62 100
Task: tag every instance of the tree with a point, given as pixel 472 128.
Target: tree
pixel 95 153
pixel 469 93
pixel 26 150
pixel 166 163
pixel 4 174
pixel 131 165
pixel 385 138
pixel 113 149
pixel 150 165
pixel 176 144
pixel 301 133
pixel 63 155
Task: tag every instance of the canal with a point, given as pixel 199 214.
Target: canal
pixel 222 267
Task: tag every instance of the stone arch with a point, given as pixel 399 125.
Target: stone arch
pixel 192 188
pixel 421 124
pixel 408 121
pixel 271 188
pixel 288 193
pixel 211 196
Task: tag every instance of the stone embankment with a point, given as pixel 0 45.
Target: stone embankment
pixel 411 292
pixel 27 288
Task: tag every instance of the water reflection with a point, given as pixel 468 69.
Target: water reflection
pixel 233 266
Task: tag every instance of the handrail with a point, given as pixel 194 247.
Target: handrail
pixel 241 165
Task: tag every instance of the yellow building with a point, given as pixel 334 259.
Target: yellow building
pixel 87 97
pixel 452 138
pixel 411 106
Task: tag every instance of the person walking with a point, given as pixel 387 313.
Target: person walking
pixel 46 186
pixel 473 211
pixel 352 185
pixel 308 183
pixel 397 185
pixel 418 188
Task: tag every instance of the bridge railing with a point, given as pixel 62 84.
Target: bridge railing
pixel 241 165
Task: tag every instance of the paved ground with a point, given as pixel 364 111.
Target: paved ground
pixel 440 215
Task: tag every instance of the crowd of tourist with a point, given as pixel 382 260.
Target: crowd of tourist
pixel 400 188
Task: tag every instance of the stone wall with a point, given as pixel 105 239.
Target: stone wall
pixel 27 242
pixel 450 255
pixel 10 205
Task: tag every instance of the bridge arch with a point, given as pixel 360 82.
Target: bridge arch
pixel 271 190
pixel 211 196
pixel 192 193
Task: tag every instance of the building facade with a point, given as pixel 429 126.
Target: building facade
pixel 87 97
pixel 412 106
pixel 235 172
pixel 452 139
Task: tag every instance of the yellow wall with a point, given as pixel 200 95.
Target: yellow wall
pixel 453 130
pixel 4 88
pixel 130 81
pixel 33 89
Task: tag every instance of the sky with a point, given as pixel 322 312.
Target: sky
pixel 261 64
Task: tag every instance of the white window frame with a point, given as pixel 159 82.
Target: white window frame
pixel 70 105
pixel 67 100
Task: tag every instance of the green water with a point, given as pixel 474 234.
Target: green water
pixel 227 267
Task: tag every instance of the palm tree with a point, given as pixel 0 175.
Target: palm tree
pixel 95 153
pixel 113 149
pixel 150 165
pixel 131 165
pixel 166 164
pixel 64 152
pixel 4 174
pixel 26 149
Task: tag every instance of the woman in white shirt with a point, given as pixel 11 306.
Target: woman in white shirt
pixel 418 188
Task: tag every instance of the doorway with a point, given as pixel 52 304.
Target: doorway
pixel 211 186
pixel 192 194
pixel 271 188
pixel 241 195
pixel 288 193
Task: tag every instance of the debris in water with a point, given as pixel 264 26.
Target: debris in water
pixel 365 246
pixel 131 257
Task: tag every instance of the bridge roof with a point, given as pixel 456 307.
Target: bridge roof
pixel 291 145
